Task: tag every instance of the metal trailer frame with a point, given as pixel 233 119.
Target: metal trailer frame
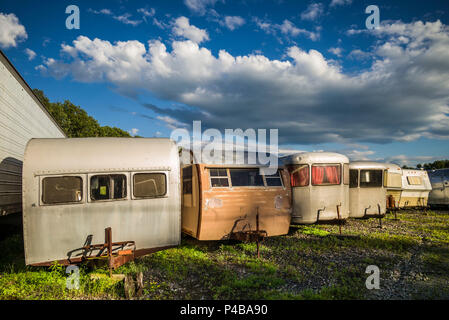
pixel 439 196
pixel 369 201
pixel 414 196
pixel 242 213
pixel 319 203
pixel 66 232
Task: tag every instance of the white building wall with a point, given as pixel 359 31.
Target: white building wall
pixel 22 117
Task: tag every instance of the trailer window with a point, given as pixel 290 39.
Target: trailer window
pixel 150 185
pixel 274 180
pixel 246 178
pixel 414 181
pixel 108 187
pixel 62 190
pixel 299 175
pixel 187 180
pixel 353 178
pixel 394 180
pixel 371 178
pixel 326 174
pixel 219 177
pixel 346 174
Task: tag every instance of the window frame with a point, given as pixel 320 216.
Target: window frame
pixel 414 184
pixel 297 169
pixel 89 177
pixel 358 179
pixel 382 178
pixel 41 190
pixel 280 177
pixel 182 179
pixel 228 176
pixel 167 185
pixel 325 165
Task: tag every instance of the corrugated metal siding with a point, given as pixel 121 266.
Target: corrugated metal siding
pixel 21 118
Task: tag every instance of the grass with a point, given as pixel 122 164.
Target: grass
pixel 311 262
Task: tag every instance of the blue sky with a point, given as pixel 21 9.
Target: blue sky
pixel 308 68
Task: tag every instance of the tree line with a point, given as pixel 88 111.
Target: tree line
pixel 439 164
pixel 75 121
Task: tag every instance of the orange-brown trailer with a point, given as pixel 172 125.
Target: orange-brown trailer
pixel 215 213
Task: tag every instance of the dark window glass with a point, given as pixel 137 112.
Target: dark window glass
pixel 187 180
pixel 218 172
pixel 246 178
pixel 371 178
pixel 62 190
pixel 327 174
pixel 150 185
pixel 274 180
pixel 108 187
pixel 353 178
pixel 219 177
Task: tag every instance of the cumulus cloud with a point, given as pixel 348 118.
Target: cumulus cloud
pixel 11 31
pixel 183 28
pixel 287 28
pixel 336 3
pixel 403 96
pixel 199 6
pixel 313 12
pixel 30 53
pixel 337 51
pixel 123 18
pixel 233 22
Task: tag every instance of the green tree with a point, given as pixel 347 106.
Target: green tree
pixel 75 121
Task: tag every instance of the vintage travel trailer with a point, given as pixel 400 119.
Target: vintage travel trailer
pixel 232 201
pixel 415 188
pixel 439 196
pixel 367 192
pixel 320 186
pixel 393 183
pixel 74 189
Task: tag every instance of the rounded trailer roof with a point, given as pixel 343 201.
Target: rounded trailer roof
pixel 393 168
pixel 99 154
pixel 315 157
pixel 414 172
pixel 367 165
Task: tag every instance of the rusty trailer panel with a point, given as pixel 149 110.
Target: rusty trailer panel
pixel 218 213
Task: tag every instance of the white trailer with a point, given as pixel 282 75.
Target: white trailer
pixel 74 189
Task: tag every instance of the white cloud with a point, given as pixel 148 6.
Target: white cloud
pixel 310 99
pixel 11 31
pixel 335 3
pixel 287 28
pixel 182 28
pixel 125 18
pixel 233 22
pixel 102 11
pixel 313 11
pixel 133 131
pixel 337 51
pixel 199 6
pixel 30 53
